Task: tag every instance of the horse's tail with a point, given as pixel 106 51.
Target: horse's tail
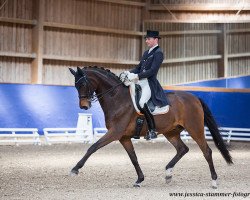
pixel 213 128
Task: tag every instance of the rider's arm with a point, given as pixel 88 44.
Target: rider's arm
pixel 137 69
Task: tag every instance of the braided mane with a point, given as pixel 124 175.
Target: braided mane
pixel 102 69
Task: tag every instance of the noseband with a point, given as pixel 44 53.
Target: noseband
pixel 84 81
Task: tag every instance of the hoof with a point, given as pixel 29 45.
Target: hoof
pixel 73 172
pixel 169 173
pixel 137 185
pixel 214 184
pixel 168 179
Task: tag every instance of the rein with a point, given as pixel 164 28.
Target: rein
pixel 101 95
pixel 95 97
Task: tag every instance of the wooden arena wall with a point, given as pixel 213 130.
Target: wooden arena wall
pixel 40 39
pixel 199 51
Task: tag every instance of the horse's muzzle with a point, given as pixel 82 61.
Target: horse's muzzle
pixel 84 104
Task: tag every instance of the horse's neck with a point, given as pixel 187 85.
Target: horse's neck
pixel 112 99
pixel 112 93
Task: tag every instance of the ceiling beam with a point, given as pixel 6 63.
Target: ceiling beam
pixel 200 7
pixel 123 2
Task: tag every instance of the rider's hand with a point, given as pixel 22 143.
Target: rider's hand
pixel 133 77
pixel 123 76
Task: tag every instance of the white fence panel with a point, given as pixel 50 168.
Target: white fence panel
pixel 19 135
pixel 234 134
pixel 69 135
pixel 228 134
pixel 99 132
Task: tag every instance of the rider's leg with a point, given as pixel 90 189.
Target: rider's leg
pixel 151 123
pixel 146 95
pixel 146 92
pixel 138 127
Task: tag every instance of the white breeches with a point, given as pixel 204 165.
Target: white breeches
pixel 146 91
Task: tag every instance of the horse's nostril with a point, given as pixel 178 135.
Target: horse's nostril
pixel 84 107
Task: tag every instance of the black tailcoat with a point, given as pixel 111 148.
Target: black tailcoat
pixel 148 68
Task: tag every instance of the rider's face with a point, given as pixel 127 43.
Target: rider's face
pixel 150 41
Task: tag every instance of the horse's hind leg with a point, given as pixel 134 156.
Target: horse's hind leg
pixel 174 138
pixel 106 139
pixel 128 146
pixel 199 138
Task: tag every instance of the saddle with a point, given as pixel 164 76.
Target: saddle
pixel 136 92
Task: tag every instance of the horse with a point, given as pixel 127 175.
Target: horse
pixel 186 112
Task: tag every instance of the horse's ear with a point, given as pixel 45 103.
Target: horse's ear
pixel 79 71
pixel 72 71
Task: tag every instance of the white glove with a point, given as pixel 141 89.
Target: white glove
pixel 123 75
pixel 133 77
pixel 124 78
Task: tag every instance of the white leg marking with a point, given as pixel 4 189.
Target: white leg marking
pixel 214 184
pixel 169 171
pixel 137 185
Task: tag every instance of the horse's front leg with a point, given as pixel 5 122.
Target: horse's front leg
pixel 106 139
pixel 128 146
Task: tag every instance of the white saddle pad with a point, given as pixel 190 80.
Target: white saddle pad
pixel 157 111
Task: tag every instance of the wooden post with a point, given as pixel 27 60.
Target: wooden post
pixel 37 42
pixel 145 11
pixel 223 51
pixel 145 16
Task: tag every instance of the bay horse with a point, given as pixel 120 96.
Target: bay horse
pixel 186 112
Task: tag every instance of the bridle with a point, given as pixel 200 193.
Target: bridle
pixel 91 96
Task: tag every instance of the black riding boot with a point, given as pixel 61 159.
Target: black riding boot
pixel 138 127
pixel 151 134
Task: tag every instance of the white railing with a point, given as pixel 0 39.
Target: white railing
pixel 19 135
pixel 185 136
pixel 99 132
pixel 69 135
pixel 228 134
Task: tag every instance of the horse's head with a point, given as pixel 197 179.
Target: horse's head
pixel 84 88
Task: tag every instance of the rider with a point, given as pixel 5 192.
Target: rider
pixel 145 74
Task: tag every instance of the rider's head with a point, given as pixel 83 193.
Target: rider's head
pixel 151 42
pixel 152 38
